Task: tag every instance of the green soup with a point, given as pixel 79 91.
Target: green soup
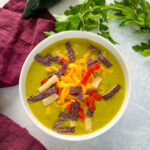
pixel 105 110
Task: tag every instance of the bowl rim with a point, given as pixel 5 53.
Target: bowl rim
pixel 66 35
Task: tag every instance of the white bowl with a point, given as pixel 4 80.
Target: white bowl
pixel 65 35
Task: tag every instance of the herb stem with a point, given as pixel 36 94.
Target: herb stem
pixel 91 9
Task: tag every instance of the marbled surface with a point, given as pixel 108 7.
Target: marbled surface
pixel 132 132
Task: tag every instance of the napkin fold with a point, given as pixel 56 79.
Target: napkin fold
pixel 18 37
pixel 14 137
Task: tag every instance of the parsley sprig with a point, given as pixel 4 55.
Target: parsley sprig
pixel 93 15
pixel 136 12
pixel 143 48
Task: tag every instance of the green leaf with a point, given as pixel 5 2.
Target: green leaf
pixel 86 6
pixel 117 3
pixel 140 17
pixel 102 11
pixel 107 36
pixel 61 26
pixel 74 22
pixel 143 48
pixel 73 10
pixel 147 20
pixel 131 3
pixel 125 23
pixel 146 52
pixel 144 5
pixel 137 48
pixel 82 1
pixel 145 9
pixel 60 18
pixel 145 30
pixel 98 2
pixel 102 26
pixel 49 33
pixel 128 13
pixel 104 14
pixel 91 24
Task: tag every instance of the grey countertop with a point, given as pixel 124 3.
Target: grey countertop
pixel 132 132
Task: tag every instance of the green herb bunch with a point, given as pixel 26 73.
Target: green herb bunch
pixel 136 12
pixel 91 15
pixel 95 14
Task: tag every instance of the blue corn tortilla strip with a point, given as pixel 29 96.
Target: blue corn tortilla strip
pixel 112 92
pixel 44 60
pixel 51 75
pixel 62 70
pixel 58 124
pixel 70 52
pixel 91 47
pixel 75 106
pixel 76 92
pixel 78 96
pixel 74 110
pixel 48 59
pixel 75 89
pixel 89 113
pixel 54 73
pixel 101 57
pixel 57 60
pixel 104 60
pixel 66 130
pixel 52 90
pixel 67 115
pixel 71 115
pixel 91 62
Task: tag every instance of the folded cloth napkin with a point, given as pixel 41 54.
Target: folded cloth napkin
pixel 18 37
pixel 14 137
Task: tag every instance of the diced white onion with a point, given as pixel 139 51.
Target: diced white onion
pixel 88 124
pixel 50 99
pixel 96 82
pixel 73 123
pixel 49 83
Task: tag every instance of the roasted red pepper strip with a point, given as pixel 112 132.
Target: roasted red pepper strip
pixel 95 95
pixel 91 93
pixel 89 72
pixel 88 99
pixel 81 115
pixel 92 106
pixel 59 91
pixel 43 82
pixel 69 106
pixel 63 60
pixel 90 103
pixel 81 108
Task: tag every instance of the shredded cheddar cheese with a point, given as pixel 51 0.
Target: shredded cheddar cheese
pixel 51 69
pixel 72 77
pixel 86 56
pixel 48 110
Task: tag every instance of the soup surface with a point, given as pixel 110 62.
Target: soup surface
pixel 105 110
